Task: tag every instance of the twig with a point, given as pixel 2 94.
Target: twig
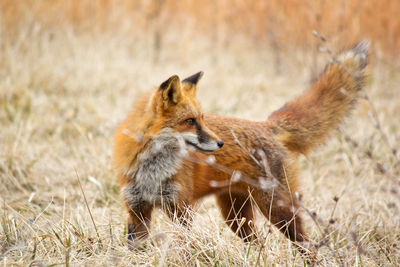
pixel 87 206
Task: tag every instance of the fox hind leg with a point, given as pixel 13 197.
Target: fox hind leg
pixel 234 207
pixel 282 211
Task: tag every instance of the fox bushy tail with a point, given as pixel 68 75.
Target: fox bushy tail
pixel 306 122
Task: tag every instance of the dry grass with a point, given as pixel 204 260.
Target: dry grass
pixel 62 94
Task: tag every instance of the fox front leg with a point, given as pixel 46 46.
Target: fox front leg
pixel 138 225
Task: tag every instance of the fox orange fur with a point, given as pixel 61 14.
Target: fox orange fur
pixel 161 151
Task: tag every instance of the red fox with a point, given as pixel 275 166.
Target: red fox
pixel 161 151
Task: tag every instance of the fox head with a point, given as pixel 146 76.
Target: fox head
pixel 175 107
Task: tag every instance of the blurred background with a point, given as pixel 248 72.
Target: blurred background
pixel 147 41
pixel 269 23
pixel 198 26
pixel 70 71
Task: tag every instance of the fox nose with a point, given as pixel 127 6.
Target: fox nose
pixel 220 143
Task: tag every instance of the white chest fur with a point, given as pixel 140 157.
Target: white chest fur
pixel 153 173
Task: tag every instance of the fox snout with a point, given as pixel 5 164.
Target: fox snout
pixel 203 141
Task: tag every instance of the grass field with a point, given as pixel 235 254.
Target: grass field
pixel 62 95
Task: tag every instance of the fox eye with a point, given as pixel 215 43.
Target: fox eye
pixel 191 121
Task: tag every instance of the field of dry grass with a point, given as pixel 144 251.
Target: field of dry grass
pixel 63 93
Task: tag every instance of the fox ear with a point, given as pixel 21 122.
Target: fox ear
pixel 192 81
pixel 171 91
